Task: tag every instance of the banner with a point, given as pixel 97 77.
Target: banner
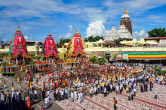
pixel 119 55
pixel 125 56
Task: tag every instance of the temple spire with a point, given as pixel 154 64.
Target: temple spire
pixel 18 28
pixel 49 33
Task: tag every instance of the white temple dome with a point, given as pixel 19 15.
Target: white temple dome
pixel 113 34
pixel 122 32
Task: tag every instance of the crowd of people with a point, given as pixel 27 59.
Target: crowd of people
pixel 86 80
pixel 95 80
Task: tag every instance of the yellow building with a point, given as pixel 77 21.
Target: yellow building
pixel 99 49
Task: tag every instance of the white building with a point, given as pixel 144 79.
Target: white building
pixel 122 32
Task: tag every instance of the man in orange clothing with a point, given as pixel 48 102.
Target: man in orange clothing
pixel 115 102
pixel 28 103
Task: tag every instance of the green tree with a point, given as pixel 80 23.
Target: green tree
pixel 114 55
pixel 119 40
pixel 93 59
pixel 92 39
pixel 62 41
pixel 85 40
pixel 157 32
pixel 97 38
pixel 102 60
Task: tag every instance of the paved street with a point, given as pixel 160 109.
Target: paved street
pixel 144 100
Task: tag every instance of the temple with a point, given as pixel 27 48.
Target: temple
pixel 112 34
pixel 49 46
pixel 76 45
pixel 124 31
pixel 125 20
pixel 17 44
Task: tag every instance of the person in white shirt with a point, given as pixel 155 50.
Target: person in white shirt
pixel 82 84
pixel 103 86
pixel 76 85
pixel 105 92
pixel 66 93
pixel 17 93
pixel 95 91
pixel 111 87
pixel 90 92
pixel 13 93
pixel 2 96
pixel 56 91
pixel 134 91
pixel 156 95
pixel 46 101
pixel 121 86
pixel 75 95
pixel 117 89
pixel 161 79
pixel 35 92
pixel 158 81
pixel 98 88
pixel 79 97
pixel 72 96
pixel 48 92
pixel 62 97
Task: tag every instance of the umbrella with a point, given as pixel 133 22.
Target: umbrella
pixel 99 57
pixel 113 60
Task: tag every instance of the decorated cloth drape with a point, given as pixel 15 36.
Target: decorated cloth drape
pixel 76 45
pixel 17 45
pixel 49 47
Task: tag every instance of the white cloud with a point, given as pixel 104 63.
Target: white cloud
pixel 150 18
pixel 104 11
pixel 134 6
pixel 92 14
pixel 26 37
pixel 70 28
pixel 141 34
pixel 67 36
pixel 96 29
pixel 37 8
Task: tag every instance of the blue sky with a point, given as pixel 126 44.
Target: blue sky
pixel 90 17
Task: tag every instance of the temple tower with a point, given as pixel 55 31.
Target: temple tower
pixel 125 20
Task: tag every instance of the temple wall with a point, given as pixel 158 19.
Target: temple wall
pixel 99 50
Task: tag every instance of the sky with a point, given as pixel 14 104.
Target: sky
pixel 90 17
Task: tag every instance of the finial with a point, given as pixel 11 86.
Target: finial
pixel 49 33
pixel 18 28
pixel 113 24
pixel 76 29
